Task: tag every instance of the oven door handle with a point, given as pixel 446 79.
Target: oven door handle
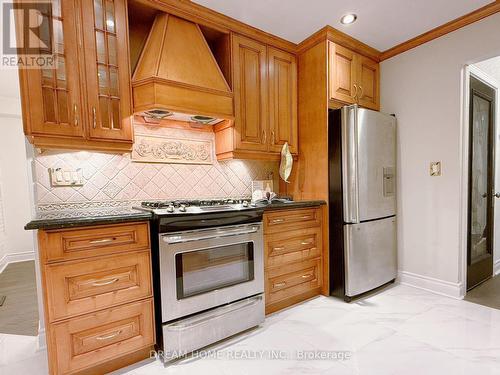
pixel 231 308
pixel 197 236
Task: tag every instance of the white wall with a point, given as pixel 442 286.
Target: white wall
pixel 14 181
pixel 423 88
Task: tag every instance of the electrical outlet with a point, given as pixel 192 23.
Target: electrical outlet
pixel 65 177
pixel 435 169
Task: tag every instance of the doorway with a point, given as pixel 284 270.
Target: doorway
pixel 481 182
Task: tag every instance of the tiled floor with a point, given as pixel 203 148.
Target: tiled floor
pixel 399 331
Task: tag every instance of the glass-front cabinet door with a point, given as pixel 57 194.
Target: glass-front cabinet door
pixel 107 69
pixel 52 103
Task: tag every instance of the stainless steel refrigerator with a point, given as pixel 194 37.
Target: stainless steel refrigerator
pixel 362 200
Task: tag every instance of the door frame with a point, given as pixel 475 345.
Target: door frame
pixel 468 71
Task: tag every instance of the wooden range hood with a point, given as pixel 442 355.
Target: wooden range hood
pixel 178 73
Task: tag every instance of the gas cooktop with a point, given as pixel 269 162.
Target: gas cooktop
pixel 196 206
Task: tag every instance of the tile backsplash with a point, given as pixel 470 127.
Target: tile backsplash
pixel 115 179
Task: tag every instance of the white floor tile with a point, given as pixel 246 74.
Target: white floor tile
pixel 401 330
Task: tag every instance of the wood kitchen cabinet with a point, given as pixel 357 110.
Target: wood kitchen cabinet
pixel 265 102
pixel 293 256
pixel 282 100
pixel 97 295
pixel 352 77
pixel 85 103
pixel 250 85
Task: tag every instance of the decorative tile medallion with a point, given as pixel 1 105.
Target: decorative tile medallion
pixel 159 149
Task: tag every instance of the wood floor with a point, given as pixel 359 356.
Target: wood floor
pixel 19 312
pixel 486 294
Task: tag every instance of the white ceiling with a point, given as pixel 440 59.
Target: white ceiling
pixel 381 24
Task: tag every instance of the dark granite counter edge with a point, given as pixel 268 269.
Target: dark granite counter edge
pixel 72 222
pixel 294 204
pixel 86 221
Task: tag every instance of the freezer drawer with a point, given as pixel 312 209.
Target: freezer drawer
pixel 370 255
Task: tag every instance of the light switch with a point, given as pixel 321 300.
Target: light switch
pixel 65 177
pixel 435 169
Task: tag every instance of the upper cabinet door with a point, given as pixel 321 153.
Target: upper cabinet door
pixel 51 97
pixel 342 73
pixel 107 69
pixel 282 100
pixel 368 83
pixel 250 94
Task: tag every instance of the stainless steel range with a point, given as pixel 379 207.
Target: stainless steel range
pixel 208 271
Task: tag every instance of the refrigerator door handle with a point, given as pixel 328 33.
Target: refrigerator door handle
pixel 350 163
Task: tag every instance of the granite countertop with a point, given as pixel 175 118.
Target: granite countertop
pixel 86 217
pixel 77 218
pixel 291 204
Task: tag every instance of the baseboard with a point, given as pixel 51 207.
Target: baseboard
pixel 42 339
pixel 445 288
pixel 496 268
pixel 15 257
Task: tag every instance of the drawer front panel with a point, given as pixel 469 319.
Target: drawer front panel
pixel 293 246
pixel 277 221
pixel 61 245
pixel 75 288
pixel 89 340
pixel 300 278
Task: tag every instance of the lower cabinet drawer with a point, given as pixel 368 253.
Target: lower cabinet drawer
pixel 76 288
pixel 293 280
pixel 289 247
pixel 86 341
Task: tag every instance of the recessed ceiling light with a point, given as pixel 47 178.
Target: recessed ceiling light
pixel 348 19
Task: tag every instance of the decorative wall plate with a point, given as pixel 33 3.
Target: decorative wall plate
pixel 159 149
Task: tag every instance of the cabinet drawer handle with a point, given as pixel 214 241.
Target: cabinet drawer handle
pixel 277 285
pixel 75 114
pixel 104 240
pixel 306 276
pixel 110 336
pixel 94 117
pixel 308 242
pixel 306 217
pixel 278 221
pixel 107 282
pixel 279 248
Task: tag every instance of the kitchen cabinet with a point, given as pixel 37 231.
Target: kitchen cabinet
pixel 293 256
pixel 282 100
pixel 250 94
pixel 85 103
pixel 352 77
pixel 265 102
pixel 97 295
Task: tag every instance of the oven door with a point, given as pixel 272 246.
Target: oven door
pixel 202 269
